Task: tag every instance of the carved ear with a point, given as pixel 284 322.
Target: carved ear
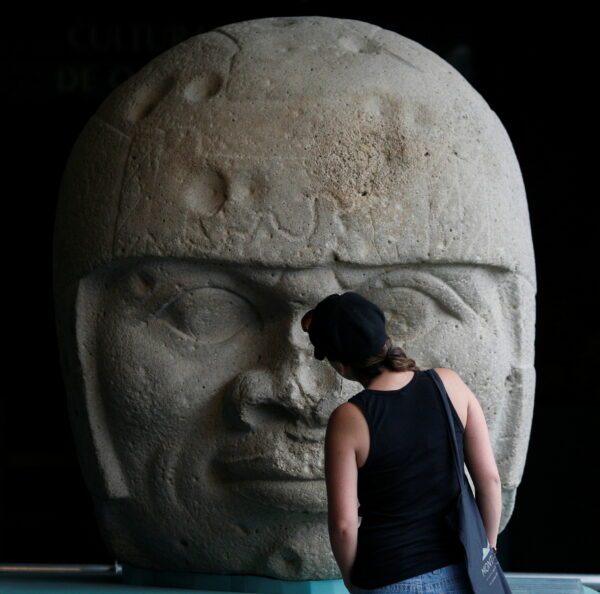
pixel 513 436
pixel 95 447
pixel 513 439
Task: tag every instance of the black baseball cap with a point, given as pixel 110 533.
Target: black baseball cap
pixel 346 328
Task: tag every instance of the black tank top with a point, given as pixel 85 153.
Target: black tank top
pixel 406 485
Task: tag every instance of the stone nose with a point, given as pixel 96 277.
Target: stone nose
pixel 297 391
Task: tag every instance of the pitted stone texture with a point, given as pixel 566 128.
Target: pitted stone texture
pixel 215 197
pixel 291 135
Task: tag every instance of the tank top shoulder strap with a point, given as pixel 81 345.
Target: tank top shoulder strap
pixel 458 426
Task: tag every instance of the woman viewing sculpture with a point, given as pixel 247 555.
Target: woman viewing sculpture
pixel 388 447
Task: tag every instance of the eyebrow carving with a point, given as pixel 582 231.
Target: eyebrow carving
pixel 446 296
pixel 228 276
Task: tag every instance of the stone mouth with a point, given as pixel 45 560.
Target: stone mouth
pixel 306 496
pixel 276 465
pixel 275 472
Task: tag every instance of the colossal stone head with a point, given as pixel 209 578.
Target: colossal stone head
pixel 215 197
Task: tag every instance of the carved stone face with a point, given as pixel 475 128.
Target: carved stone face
pixel 217 196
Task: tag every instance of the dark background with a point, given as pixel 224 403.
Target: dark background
pixel 535 75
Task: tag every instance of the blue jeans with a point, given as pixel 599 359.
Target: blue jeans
pixel 451 579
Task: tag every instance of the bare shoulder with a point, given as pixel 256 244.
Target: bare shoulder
pixel 459 393
pixel 449 376
pixel 348 424
pixel 345 418
pixel 453 381
pixel 347 429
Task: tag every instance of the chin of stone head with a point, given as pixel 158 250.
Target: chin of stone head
pixel 216 196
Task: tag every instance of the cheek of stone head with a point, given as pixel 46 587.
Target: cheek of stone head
pixel 322 143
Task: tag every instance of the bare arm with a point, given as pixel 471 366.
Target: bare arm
pixel 341 476
pixel 479 455
pixel 481 463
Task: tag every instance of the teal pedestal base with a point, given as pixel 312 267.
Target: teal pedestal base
pixel 230 583
pixel 187 583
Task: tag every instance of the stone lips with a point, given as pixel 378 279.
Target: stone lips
pixel 333 139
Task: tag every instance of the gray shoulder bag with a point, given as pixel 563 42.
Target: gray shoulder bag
pixel 484 571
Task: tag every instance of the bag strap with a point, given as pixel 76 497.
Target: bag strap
pixel 460 472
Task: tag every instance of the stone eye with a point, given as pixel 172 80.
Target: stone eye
pixel 210 315
pixel 410 312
